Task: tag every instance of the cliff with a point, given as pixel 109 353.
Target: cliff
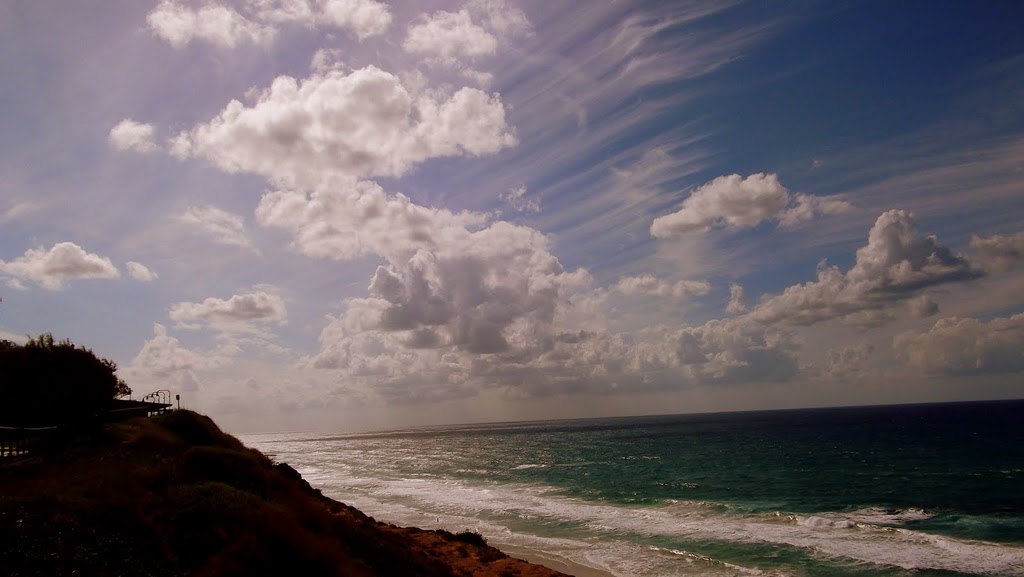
pixel 173 496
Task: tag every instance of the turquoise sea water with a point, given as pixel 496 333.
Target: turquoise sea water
pixel 908 490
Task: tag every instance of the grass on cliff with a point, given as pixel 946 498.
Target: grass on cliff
pixel 173 495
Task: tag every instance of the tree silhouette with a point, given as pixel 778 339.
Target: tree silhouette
pixel 48 382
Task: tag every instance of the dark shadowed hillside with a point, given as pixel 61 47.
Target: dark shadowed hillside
pixel 173 495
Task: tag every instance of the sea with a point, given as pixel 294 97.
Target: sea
pixel 900 491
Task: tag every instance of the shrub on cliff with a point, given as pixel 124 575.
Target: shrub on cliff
pixel 47 382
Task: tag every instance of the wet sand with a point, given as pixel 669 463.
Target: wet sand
pixel 552 561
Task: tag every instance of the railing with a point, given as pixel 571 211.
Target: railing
pixel 162 396
pixel 16 441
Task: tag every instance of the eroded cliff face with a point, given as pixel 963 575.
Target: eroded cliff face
pixel 174 495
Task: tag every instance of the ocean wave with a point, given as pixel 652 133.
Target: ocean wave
pixel 508 509
pixel 880 516
pixel 619 538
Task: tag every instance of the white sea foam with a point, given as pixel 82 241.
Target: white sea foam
pixel 879 516
pixel 606 536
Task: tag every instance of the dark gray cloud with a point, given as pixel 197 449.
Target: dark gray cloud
pixel 897 264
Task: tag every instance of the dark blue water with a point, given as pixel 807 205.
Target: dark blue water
pixel 922 490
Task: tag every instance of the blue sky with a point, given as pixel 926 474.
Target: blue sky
pixel 350 214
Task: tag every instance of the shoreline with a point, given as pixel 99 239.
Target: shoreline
pixel 551 561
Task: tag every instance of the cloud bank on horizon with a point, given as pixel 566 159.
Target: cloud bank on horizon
pixel 354 213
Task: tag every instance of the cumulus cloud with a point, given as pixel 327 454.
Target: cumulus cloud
pixel 804 207
pixel 450 279
pixel 736 350
pixel 922 306
pixel 449 36
pixel 131 135
pixel 364 123
pixel 738 202
pixel 238 313
pixel 258 21
pixel 163 363
pixel 346 219
pixel 737 300
pixel 179 24
pixel 896 265
pixel 516 198
pixel 650 285
pixel 224 227
pixel 461 304
pixel 51 268
pixel 140 272
pixel 363 17
pixel 473 32
pixel 848 362
pixel 498 290
pixel 999 252
pixel 558 361
pixel 965 346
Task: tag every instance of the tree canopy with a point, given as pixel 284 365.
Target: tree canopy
pixel 48 382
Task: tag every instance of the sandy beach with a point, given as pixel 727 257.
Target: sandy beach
pixel 552 561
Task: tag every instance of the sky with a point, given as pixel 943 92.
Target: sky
pixel 340 215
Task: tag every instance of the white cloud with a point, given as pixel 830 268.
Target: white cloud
pixel 650 285
pixel 896 264
pixel 6 336
pixel 140 272
pixel 498 289
pixel 739 202
pixel 131 135
pixel 999 252
pixel 325 59
pixel 737 300
pixel 557 362
pixel 16 211
pixel 364 17
pixel 456 284
pixel 179 24
pixel 804 207
pixel 496 15
pixel 516 198
pixel 347 219
pixel 449 36
pixel 736 350
pixel 238 313
pixel 364 123
pixel 163 363
pixel 51 268
pixel 224 227
pixel 956 346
